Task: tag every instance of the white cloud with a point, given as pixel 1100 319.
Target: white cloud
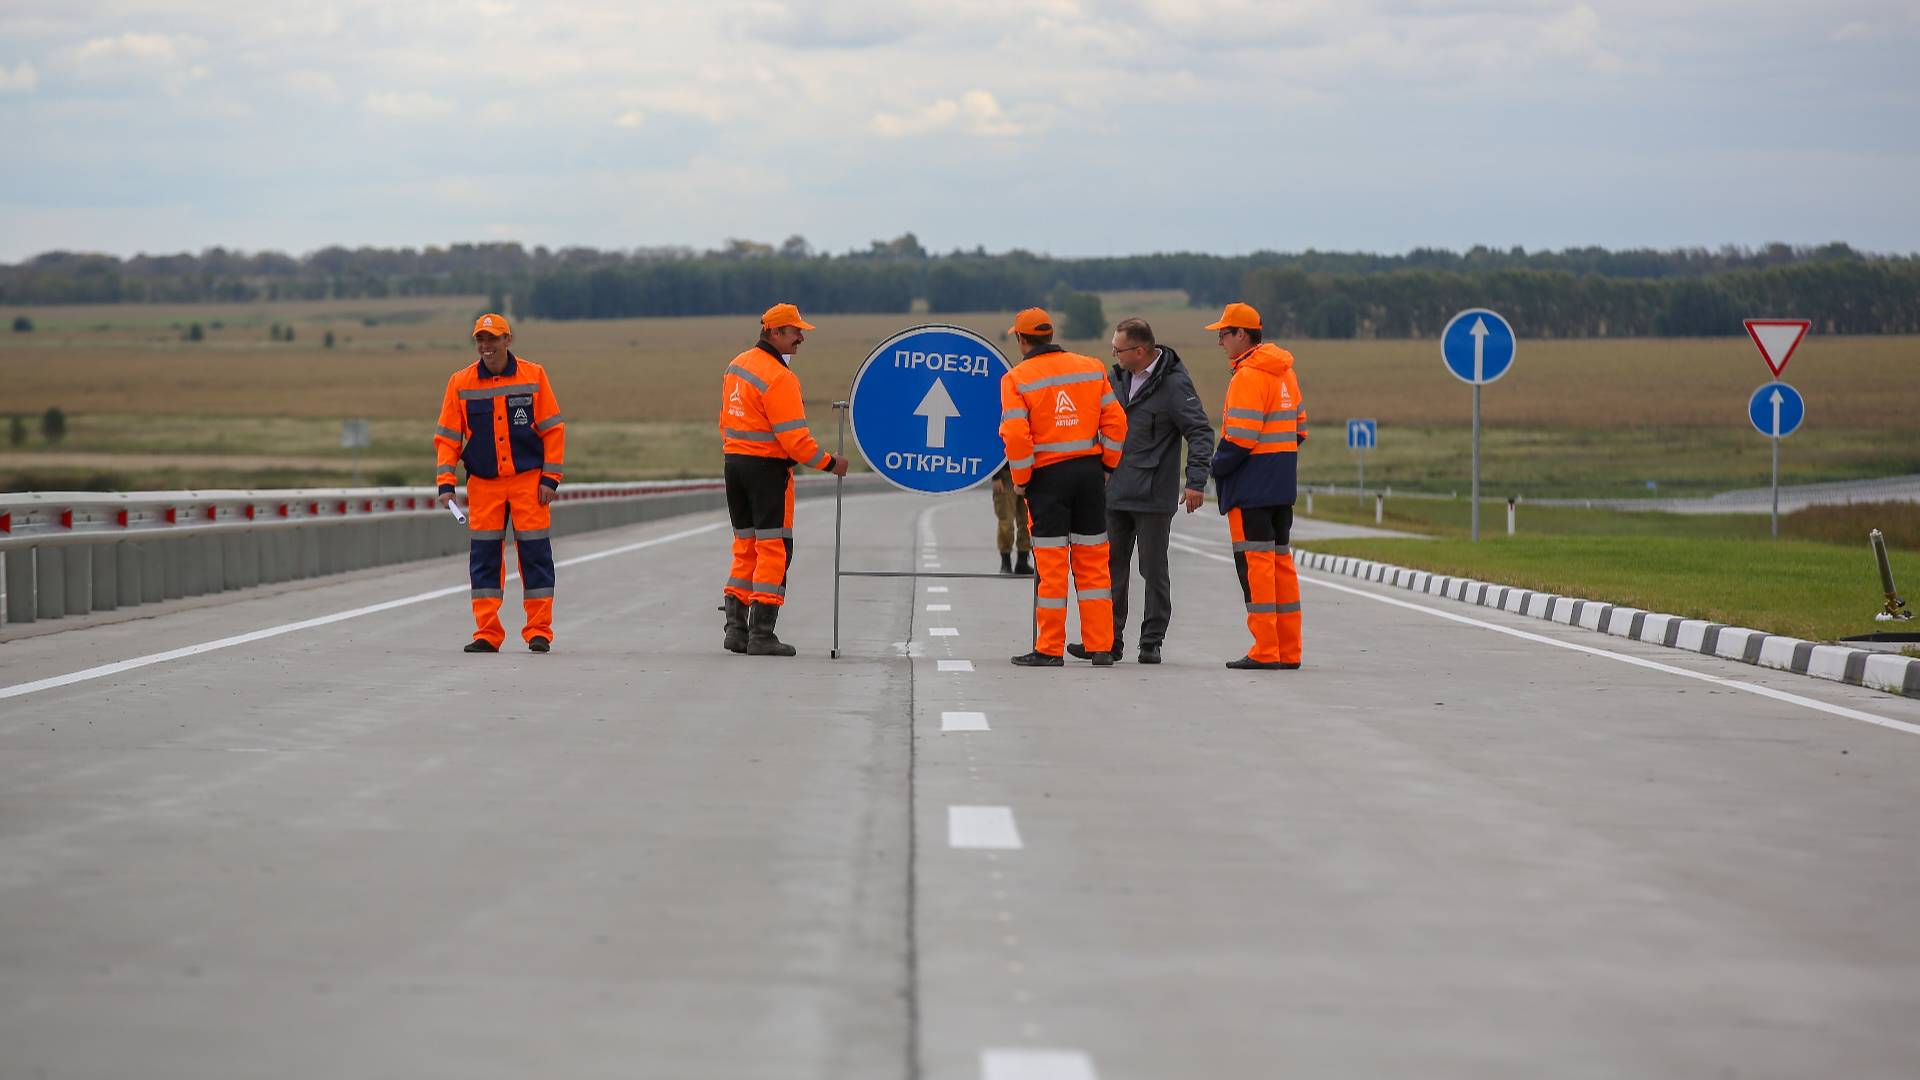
pixel 1857 31
pixel 408 105
pixel 315 86
pixel 133 54
pixel 19 80
pixel 974 113
pixel 632 118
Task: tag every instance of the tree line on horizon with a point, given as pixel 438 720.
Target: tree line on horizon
pixel 1577 292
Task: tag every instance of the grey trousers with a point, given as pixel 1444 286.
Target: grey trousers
pixel 1125 529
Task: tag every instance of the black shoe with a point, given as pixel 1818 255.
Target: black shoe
pixel 536 643
pixel 481 645
pixel 1038 659
pixel 735 640
pixel 760 639
pixel 1248 663
pixel 1102 659
pixel 1080 651
pixel 1022 567
pixel 1006 562
pixel 1149 654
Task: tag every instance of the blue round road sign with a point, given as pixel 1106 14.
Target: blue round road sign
pixel 925 409
pixel 1776 410
pixel 1478 346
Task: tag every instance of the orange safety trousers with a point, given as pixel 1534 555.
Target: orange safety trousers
pixel 760 504
pixel 1268 580
pixel 491 506
pixel 1067 519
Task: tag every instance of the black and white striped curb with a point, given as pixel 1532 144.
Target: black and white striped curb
pixel 1856 667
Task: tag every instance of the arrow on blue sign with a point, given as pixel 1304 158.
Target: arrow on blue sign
pixel 925 409
pixel 1363 434
pixel 1776 410
pixel 1478 346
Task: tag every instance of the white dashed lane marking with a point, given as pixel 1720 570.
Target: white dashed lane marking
pixel 942 631
pixel 939 607
pixel 955 665
pixel 964 721
pixel 937 589
pixel 1036 1064
pixel 984 827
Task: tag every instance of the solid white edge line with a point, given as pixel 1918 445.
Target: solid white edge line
pixel 1653 665
pixel 104 670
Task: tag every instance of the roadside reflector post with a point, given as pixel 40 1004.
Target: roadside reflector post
pixel 1379 507
pixel 1510 502
pixel 1309 501
pixel 1896 608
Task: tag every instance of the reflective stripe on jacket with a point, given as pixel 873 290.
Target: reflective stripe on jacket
pixel 1256 462
pixel 500 425
pixel 760 411
pixel 1056 406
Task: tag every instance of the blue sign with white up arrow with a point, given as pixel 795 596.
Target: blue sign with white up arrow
pixel 1478 346
pixel 1363 434
pixel 1776 410
pixel 925 409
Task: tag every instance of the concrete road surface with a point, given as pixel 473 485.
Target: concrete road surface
pixel 1456 844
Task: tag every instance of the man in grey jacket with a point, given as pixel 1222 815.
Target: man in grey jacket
pixel 1142 494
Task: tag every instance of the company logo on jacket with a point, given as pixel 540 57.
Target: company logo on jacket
pixel 1064 411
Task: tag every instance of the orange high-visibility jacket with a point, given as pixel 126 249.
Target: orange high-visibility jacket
pixel 760 410
pixel 500 425
pixel 1256 461
pixel 1056 405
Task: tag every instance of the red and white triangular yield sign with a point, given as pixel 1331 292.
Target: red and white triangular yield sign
pixel 1776 339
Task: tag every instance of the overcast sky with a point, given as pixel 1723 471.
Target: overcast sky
pixel 1059 126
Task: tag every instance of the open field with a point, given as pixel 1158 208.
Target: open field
pixel 1593 418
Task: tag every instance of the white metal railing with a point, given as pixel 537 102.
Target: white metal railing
pixel 75 552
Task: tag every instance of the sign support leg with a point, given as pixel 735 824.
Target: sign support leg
pixel 839 490
pixel 1476 463
pixel 1363 474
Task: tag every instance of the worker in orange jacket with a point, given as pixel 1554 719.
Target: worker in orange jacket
pixel 500 419
pixel 1255 467
pixel 763 432
pixel 1063 428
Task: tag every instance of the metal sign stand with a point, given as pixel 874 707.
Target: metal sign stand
pixel 840 450
pixel 1476 463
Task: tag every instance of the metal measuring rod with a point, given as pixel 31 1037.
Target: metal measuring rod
pixel 1896 608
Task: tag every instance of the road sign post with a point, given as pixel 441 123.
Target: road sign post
pixel 925 413
pixel 1478 346
pixel 1776 411
pixel 1362 436
pixel 356 435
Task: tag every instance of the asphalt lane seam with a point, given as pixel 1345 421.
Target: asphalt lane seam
pixel 103 670
pixel 1652 665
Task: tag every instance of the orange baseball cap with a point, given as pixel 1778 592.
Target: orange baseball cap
pixel 1237 317
pixel 780 315
pixel 491 324
pixel 1032 321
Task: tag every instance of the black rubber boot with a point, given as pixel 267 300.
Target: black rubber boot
pixel 736 639
pixel 480 645
pixel 760 639
pixel 1006 562
pixel 1022 566
pixel 1038 659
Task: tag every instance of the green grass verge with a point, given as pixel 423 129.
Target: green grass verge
pixel 1815 591
pixel 1617 464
